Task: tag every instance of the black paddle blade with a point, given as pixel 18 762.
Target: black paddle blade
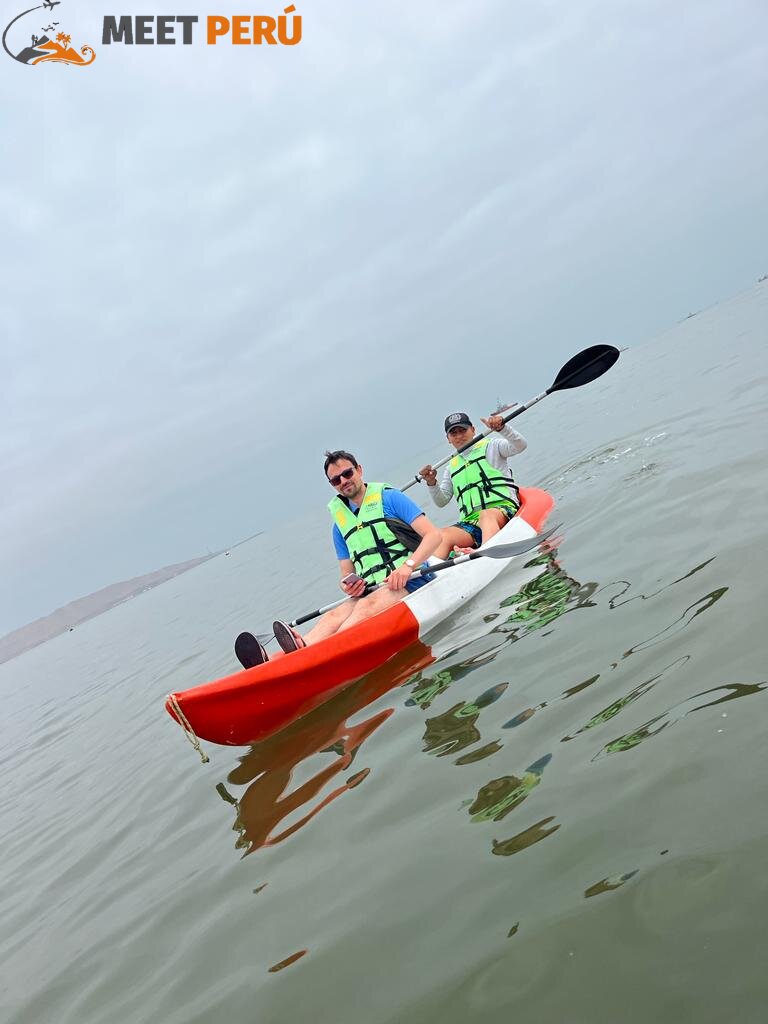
pixel 585 367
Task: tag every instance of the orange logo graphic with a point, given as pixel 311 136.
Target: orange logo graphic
pixel 47 48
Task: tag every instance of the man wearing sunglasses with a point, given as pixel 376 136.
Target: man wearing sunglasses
pixel 380 535
pixel 479 478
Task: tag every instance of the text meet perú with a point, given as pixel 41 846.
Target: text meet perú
pixel 168 29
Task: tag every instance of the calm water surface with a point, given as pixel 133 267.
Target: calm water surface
pixel 562 820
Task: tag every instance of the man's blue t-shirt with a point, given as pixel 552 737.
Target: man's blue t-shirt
pixel 395 505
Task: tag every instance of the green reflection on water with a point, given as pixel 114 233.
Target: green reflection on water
pixel 703 604
pixel 614 601
pixel 430 687
pixel 609 884
pixel 481 753
pixel 528 837
pixel 546 597
pixel 618 705
pixel 456 728
pixel 500 796
pixel 728 691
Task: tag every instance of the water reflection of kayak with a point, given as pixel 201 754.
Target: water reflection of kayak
pixel 256 702
pixel 277 791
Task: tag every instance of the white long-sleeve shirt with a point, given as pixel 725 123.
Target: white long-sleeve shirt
pixel 502 446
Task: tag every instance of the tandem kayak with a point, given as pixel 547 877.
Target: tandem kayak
pixel 255 703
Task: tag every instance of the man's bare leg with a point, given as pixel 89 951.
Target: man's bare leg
pixel 332 621
pixel 352 612
pixel 327 626
pixel 374 603
pixel 491 521
pixel 453 537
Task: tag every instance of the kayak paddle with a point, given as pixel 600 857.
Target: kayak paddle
pixel 583 368
pixel 518 547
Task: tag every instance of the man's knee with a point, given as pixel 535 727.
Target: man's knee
pixel 336 616
pixel 455 535
pixel 373 601
pixel 379 600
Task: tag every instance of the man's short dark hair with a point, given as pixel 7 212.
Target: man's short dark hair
pixel 336 456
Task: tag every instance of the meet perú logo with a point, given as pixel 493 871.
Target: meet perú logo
pixel 48 49
pixel 53 44
pixel 167 29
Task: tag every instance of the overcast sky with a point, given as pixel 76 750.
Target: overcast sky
pixel 217 262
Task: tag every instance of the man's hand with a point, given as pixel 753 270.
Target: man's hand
pixel 356 589
pixel 428 475
pixel 494 422
pixel 398 579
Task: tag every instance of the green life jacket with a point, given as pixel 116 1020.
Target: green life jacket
pixel 373 547
pixel 478 485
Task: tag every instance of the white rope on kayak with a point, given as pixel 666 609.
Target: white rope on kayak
pixel 189 732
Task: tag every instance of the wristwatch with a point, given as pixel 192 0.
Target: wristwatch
pixel 410 563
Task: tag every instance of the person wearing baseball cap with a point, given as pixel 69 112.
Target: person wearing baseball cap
pixel 480 480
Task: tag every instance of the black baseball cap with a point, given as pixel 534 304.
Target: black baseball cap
pixel 457 419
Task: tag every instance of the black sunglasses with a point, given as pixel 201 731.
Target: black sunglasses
pixel 345 474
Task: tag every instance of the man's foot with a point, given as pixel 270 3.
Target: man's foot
pixel 287 637
pixel 249 651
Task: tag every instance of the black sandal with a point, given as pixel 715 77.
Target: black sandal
pixel 287 637
pixel 249 651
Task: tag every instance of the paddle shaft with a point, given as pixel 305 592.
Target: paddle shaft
pixel 511 550
pixel 582 368
pixel 479 437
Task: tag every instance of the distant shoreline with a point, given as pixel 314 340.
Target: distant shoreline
pixel 64 619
